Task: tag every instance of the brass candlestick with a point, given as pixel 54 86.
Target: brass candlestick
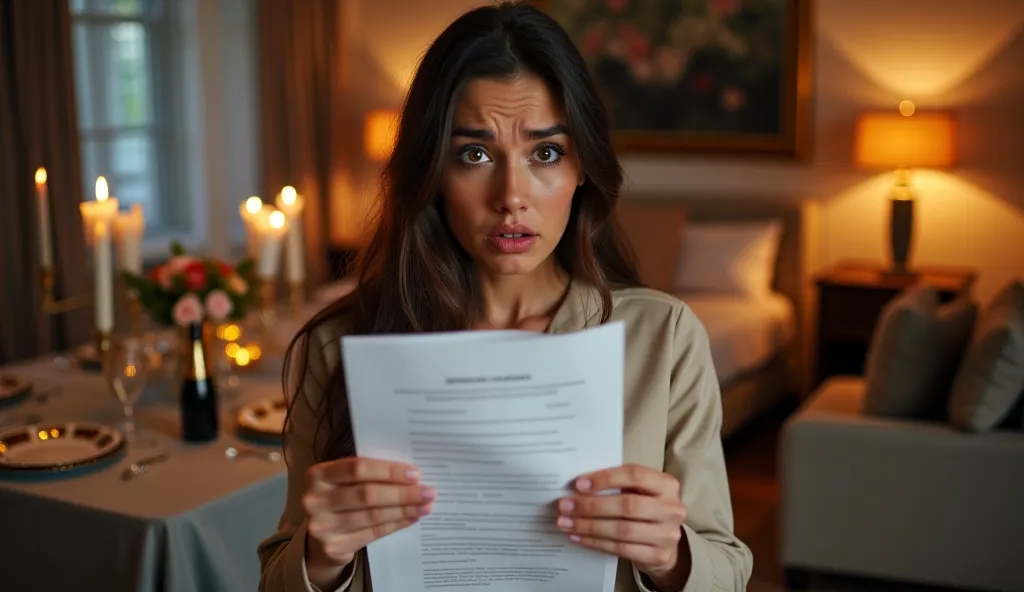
pixel 268 315
pixel 56 307
pixel 104 351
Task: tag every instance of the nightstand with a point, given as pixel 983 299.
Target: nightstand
pixel 851 297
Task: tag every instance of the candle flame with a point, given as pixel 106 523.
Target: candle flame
pixel 288 195
pixel 253 205
pixel 102 192
pixel 277 219
pixel 40 176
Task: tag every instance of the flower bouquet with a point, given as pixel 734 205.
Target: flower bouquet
pixel 187 290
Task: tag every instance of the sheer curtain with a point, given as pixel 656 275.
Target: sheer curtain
pixel 38 129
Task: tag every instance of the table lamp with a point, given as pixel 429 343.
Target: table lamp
pixel 903 141
pixel 379 131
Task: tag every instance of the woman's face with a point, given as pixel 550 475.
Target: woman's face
pixel 511 174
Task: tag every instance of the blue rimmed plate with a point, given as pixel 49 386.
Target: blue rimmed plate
pixel 55 447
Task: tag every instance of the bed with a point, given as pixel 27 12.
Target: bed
pixel 756 335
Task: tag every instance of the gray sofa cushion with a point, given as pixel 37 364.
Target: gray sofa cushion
pixel 991 380
pixel 914 353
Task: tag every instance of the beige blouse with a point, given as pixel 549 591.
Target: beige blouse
pixel 673 417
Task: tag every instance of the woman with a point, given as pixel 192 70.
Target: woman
pixel 497 214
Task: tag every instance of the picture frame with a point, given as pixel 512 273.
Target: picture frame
pixel 699 76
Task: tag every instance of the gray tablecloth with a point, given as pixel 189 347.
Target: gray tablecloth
pixel 190 524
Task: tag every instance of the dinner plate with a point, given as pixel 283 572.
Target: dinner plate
pixel 57 446
pixel 13 387
pixel 265 418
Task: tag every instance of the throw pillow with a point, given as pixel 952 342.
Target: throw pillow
pixel 653 231
pixel 729 257
pixel 991 380
pixel 914 352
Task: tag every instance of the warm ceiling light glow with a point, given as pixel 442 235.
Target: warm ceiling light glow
pixel 288 195
pixel 253 205
pixel 40 176
pixel 277 219
pixel 102 191
pixel 907 108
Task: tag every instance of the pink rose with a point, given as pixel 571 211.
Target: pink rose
pixel 178 263
pixel 187 310
pixel 218 305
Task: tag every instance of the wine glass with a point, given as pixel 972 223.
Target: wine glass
pixel 129 367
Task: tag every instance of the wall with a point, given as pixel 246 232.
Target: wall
pixel 966 56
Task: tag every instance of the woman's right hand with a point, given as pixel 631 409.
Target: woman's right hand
pixel 354 501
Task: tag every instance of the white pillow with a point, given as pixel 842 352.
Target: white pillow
pixel 732 257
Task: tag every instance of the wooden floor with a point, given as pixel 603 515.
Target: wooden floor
pixel 753 479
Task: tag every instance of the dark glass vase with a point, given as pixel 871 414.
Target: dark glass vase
pixel 198 400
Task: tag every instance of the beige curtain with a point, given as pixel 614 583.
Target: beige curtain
pixel 38 128
pixel 300 106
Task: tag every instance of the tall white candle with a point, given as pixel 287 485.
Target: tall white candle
pixel 43 201
pixel 129 229
pixel 271 233
pixel 251 211
pixel 291 203
pixel 98 216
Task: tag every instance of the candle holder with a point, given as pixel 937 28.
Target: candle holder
pixel 105 349
pixel 268 316
pixel 51 306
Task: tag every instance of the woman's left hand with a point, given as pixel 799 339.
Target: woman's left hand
pixel 642 523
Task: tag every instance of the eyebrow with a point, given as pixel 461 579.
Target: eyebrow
pixel 483 134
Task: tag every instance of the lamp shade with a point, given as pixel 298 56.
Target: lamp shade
pixel 891 140
pixel 379 131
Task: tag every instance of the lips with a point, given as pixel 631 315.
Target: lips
pixel 513 239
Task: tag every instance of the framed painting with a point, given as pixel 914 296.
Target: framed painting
pixel 719 76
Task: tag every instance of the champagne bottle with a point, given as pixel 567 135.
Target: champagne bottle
pixel 199 422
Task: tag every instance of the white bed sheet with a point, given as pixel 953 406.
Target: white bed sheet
pixel 745 331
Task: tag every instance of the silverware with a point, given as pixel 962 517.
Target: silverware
pixel 232 452
pixel 44 396
pixel 140 467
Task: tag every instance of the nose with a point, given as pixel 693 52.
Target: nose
pixel 511 188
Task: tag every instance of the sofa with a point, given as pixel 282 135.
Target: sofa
pixel 914 472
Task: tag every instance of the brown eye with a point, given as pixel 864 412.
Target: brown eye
pixel 473 155
pixel 548 154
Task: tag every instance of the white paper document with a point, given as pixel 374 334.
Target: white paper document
pixel 501 424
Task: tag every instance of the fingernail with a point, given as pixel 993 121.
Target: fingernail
pixel 564 522
pixel 583 484
pixel 574 538
pixel 412 475
pixel 428 492
pixel 424 509
pixel 566 505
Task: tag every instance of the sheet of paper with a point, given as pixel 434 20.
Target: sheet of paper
pixel 500 423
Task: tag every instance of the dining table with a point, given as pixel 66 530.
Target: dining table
pixel 159 515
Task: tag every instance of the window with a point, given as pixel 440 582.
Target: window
pixel 122 62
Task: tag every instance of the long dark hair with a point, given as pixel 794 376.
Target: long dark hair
pixel 414 276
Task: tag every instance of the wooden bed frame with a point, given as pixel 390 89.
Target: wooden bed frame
pixel 747 396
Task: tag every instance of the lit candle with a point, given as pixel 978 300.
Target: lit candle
pixel 252 210
pixel 271 232
pixel 291 203
pixel 129 228
pixel 98 216
pixel 43 200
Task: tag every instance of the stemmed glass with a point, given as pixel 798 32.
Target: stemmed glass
pixel 129 367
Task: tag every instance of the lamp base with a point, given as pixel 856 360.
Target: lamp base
pixel 901 227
